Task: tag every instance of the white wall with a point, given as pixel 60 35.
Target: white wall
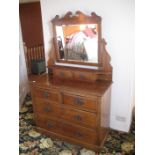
pixel 118 31
pixel 23 79
pixel 28 1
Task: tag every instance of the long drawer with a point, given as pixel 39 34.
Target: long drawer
pixel 79 133
pixel 49 124
pixel 67 129
pixel 49 109
pixel 80 102
pixel 79 117
pixel 46 94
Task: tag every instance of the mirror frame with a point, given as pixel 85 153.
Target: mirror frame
pixel 78 18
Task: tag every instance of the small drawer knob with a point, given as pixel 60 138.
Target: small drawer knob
pixel 46 94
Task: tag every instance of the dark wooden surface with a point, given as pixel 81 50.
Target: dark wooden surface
pixel 71 110
pixel 97 88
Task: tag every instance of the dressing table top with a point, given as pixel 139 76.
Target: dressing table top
pixel 97 88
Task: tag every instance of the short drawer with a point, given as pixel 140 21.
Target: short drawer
pixel 84 76
pixel 79 133
pixel 80 102
pixel 80 117
pixel 62 73
pixel 46 108
pixel 49 124
pixel 46 94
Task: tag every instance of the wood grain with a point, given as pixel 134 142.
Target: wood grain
pixel 75 111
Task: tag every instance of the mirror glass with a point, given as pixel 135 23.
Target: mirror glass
pixel 78 42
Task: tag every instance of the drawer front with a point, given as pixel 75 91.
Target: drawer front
pixel 47 109
pixel 63 74
pixel 80 117
pixel 48 124
pixel 84 76
pixel 80 102
pixel 79 133
pixel 46 94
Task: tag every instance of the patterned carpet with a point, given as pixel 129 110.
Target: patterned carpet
pixel 34 143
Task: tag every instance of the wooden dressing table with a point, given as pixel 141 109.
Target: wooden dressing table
pixel 72 101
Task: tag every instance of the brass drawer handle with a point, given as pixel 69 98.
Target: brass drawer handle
pixel 78 134
pixel 50 125
pixel 47 109
pixel 78 101
pixel 78 117
pixel 46 94
pixel 82 76
pixel 62 74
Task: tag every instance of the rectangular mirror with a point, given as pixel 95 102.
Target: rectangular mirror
pixel 77 39
pixel 78 42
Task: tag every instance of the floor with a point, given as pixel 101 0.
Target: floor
pixel 34 143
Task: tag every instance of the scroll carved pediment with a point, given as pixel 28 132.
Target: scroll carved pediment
pixel 80 17
pixel 78 45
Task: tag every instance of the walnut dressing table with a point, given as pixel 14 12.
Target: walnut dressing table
pixel 72 101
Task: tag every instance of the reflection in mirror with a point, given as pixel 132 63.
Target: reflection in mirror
pixel 78 42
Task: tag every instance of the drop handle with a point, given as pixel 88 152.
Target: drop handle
pixel 78 134
pixel 82 76
pixel 62 74
pixel 47 109
pixel 78 101
pixel 46 94
pixel 78 117
pixel 50 125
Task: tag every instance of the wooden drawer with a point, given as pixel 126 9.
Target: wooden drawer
pixel 84 76
pixel 79 133
pixel 80 117
pixel 46 94
pixel 46 108
pixel 49 124
pixel 80 102
pixel 62 74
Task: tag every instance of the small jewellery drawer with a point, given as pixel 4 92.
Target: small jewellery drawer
pixel 80 102
pixel 80 117
pixel 47 109
pixel 84 76
pixel 48 124
pixel 79 133
pixel 46 94
pixel 62 74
